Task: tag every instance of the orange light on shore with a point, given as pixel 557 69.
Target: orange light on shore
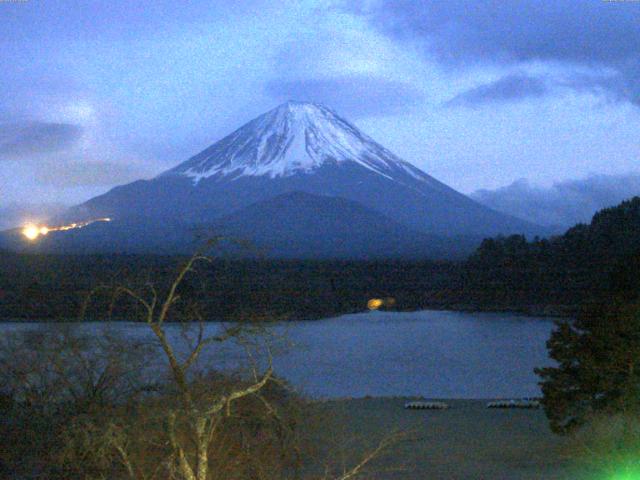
pixel 374 303
pixel 32 232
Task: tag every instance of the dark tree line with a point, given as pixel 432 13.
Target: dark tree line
pixel 588 263
pixel 54 287
pixel 593 391
pixel 544 276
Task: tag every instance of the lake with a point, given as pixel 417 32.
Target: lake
pixel 435 354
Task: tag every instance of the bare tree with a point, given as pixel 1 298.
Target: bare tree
pixel 52 375
pixel 201 424
pixel 191 424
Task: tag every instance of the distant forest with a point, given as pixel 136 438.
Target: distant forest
pixel 544 277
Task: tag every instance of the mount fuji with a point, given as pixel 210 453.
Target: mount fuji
pixel 300 181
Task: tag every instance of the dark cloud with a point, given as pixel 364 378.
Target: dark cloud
pixel 515 87
pixel 353 96
pixel 87 174
pixel 581 31
pixel 619 87
pixel 563 204
pixel 25 139
pixel 591 33
pixel 509 88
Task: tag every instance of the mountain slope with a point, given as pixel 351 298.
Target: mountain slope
pixel 302 225
pixel 289 226
pixel 127 235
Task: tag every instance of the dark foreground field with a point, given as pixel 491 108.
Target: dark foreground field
pixel 468 441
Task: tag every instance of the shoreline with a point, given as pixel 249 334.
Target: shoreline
pixel 465 441
pixel 411 398
pixel 533 311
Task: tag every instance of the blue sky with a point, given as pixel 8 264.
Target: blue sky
pixel 478 94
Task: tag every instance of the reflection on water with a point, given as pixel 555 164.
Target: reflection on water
pixel 431 353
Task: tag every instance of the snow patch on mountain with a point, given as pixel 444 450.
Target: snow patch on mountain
pixel 295 137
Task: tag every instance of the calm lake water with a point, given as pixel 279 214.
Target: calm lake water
pixel 431 353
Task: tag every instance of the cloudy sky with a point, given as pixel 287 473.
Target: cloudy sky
pixel 480 94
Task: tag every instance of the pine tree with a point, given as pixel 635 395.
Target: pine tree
pixel 598 365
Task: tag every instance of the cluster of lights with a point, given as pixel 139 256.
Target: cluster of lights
pixel 32 232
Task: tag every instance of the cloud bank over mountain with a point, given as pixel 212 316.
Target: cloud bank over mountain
pixel 564 203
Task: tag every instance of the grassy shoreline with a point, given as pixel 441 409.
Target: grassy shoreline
pixel 466 441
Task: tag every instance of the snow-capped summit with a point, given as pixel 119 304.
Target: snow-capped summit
pixel 292 138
